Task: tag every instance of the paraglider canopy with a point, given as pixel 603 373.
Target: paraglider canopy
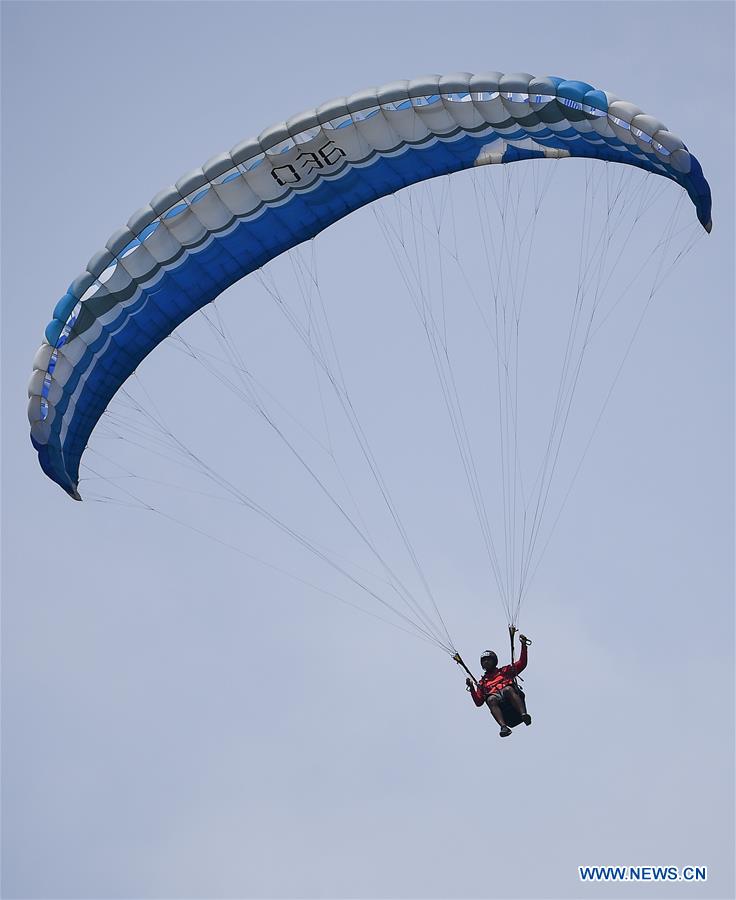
pixel 241 209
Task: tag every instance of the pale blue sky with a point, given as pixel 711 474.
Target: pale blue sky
pixel 180 722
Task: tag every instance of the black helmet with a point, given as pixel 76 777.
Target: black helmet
pixel 489 655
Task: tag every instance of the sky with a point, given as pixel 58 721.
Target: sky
pixel 179 720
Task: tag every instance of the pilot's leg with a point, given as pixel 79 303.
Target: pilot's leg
pixel 495 707
pixel 517 700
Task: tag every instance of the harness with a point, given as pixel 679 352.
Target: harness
pixel 515 678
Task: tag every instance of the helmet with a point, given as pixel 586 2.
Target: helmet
pixel 489 656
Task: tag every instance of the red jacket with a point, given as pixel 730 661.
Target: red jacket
pixel 493 682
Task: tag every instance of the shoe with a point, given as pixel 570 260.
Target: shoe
pixel 527 719
pixel 505 731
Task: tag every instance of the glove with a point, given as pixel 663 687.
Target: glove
pixel 468 683
pixel 524 639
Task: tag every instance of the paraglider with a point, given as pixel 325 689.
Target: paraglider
pixel 498 688
pixel 244 208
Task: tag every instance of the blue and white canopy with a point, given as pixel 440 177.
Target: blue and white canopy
pixel 270 193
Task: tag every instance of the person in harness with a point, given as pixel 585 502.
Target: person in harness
pixel 497 687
